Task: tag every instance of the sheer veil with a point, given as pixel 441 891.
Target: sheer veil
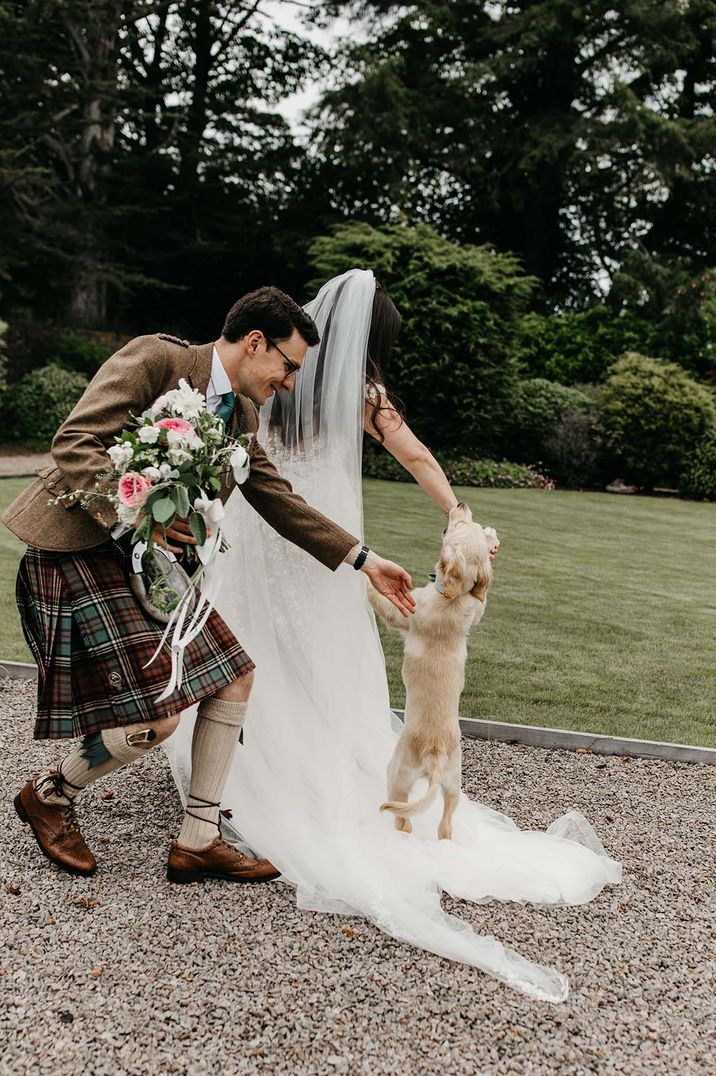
pixel 307 783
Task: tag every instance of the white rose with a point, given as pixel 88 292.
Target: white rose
pixel 239 460
pixel 185 401
pixel 148 435
pixel 152 473
pixel 120 454
pixel 166 471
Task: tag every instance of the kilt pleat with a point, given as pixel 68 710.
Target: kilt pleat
pixel 91 640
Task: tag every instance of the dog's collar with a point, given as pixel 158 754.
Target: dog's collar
pixel 440 587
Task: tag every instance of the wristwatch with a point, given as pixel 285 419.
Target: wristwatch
pixel 360 559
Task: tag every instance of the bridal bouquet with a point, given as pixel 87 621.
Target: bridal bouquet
pixel 168 463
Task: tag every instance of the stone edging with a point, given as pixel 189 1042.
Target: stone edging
pixel 531 735
pixel 18 670
pixel 597 744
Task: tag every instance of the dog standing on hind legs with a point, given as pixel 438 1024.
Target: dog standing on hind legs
pixel 434 669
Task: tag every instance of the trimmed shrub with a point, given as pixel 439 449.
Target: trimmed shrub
pixel 455 364
pixel 35 407
pixel 698 478
pixel 538 406
pixel 83 354
pixel 579 347
pixel 572 452
pixel 460 471
pixel 652 413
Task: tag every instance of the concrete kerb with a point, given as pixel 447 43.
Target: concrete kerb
pixel 535 736
pixel 18 670
pixel 530 735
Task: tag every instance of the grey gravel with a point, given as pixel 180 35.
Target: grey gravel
pixel 124 973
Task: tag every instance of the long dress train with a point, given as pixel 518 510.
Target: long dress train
pixel 307 783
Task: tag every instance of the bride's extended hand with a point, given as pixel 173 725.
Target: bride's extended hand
pixel 390 580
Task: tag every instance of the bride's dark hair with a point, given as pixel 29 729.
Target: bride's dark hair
pixel 384 328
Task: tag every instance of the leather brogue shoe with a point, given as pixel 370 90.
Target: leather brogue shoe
pixel 219 860
pixel 56 830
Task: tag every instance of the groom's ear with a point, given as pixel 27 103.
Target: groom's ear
pixel 253 341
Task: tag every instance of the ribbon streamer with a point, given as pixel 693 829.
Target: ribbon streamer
pixel 212 512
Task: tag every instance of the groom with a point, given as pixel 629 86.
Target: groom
pixel 90 637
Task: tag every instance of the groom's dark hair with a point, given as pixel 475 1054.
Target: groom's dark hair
pixel 273 312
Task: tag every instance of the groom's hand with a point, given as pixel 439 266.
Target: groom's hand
pixel 179 531
pixel 390 580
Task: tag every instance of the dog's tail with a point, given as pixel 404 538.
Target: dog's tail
pixel 407 810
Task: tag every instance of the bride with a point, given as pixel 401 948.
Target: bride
pixel 307 783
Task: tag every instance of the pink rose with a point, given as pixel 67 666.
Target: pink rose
pixel 133 489
pixel 179 425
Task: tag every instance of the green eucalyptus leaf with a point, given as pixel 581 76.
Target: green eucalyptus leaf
pixel 198 527
pixel 163 510
pixel 180 496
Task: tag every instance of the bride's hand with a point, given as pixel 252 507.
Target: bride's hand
pixel 390 580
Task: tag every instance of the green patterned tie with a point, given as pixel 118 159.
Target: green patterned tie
pixel 226 408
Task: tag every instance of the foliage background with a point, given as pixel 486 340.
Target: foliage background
pixel 535 183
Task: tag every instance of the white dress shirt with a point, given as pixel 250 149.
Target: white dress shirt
pixel 219 383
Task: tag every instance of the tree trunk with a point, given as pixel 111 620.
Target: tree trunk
pixel 95 42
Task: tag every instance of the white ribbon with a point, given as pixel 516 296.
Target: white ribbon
pixel 212 512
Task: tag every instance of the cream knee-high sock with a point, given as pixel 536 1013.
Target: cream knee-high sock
pixel 98 754
pixel 216 734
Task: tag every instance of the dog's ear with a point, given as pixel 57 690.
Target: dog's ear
pixel 452 564
pixel 484 578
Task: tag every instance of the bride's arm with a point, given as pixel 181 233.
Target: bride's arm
pixel 411 454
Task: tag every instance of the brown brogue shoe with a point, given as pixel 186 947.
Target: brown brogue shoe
pixel 219 860
pixel 56 831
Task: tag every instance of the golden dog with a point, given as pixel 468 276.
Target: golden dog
pixel 434 669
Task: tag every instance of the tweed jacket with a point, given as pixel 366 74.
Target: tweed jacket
pixel 129 381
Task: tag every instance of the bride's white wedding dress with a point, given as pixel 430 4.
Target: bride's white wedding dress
pixel 307 783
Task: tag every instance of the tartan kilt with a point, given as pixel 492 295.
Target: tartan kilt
pixel 91 638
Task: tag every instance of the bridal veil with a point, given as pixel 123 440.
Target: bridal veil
pixel 307 782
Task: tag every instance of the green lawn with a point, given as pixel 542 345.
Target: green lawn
pixel 601 616
pixel 602 612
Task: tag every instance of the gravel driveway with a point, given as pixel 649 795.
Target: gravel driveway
pixel 124 973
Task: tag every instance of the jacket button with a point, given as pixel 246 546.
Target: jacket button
pixel 115 680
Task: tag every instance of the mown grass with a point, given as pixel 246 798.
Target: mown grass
pixel 602 612
pixel 601 615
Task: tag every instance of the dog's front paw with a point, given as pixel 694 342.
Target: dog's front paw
pixel 493 542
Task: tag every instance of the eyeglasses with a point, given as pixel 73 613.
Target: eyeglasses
pixel 291 366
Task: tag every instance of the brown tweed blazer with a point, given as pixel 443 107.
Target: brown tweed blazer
pixel 130 381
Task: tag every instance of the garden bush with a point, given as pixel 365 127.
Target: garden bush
pixel 74 351
pixel 652 414
pixel 460 471
pixel 578 347
pixel 698 478
pixel 572 450
pixel 37 405
pixel 455 365
pixel 538 405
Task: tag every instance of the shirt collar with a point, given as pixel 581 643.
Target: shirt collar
pixel 219 377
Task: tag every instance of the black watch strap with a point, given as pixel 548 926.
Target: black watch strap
pixel 360 559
